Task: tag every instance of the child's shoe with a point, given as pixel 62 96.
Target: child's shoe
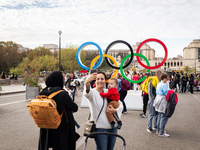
pixel 112 124
pixel 119 125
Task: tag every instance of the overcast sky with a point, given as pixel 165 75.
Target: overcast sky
pixel 33 23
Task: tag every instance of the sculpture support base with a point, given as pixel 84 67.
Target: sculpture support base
pixel 133 100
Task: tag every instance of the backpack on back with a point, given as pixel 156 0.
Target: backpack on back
pixel 44 112
pixel 125 85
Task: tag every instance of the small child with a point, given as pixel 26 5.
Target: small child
pixel 113 97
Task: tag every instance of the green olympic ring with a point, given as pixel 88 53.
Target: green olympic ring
pixel 122 71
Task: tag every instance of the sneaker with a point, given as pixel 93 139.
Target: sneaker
pixel 164 132
pixel 150 130
pixel 143 115
pixel 164 135
pixel 154 128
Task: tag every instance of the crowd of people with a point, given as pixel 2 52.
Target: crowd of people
pixel 107 94
pixel 13 78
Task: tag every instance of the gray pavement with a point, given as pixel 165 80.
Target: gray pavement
pixel 18 130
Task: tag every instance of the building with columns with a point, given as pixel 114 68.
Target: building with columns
pixel 191 56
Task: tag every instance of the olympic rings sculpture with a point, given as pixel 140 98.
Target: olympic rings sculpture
pixel 121 67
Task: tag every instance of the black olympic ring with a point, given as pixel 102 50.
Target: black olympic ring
pixel 112 44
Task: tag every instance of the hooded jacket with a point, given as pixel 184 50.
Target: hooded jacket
pixel 172 99
pixel 154 81
pixel 64 137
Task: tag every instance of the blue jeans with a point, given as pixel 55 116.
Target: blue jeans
pixel 105 142
pixel 180 86
pixel 162 121
pixel 152 115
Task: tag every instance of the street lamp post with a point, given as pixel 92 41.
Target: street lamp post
pixel 59 47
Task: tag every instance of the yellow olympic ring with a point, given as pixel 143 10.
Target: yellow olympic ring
pixel 105 55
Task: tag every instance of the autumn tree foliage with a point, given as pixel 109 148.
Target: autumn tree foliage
pixel 9 55
pixel 39 51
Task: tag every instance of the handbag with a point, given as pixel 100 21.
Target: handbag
pixel 90 126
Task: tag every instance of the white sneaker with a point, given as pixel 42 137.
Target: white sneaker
pixel 164 135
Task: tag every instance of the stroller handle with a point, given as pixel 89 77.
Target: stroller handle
pixel 106 133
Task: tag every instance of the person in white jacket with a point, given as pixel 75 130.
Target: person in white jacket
pixel 103 142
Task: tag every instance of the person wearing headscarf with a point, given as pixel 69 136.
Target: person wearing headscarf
pixel 64 137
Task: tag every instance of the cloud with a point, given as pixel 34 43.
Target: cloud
pixel 35 22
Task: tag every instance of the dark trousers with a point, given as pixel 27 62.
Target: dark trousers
pixel 145 101
pixel 191 88
pixel 183 88
pixel 73 93
pixel 122 97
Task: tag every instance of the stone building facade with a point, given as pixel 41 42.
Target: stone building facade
pixel 52 47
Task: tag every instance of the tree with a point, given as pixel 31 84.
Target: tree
pixel 47 63
pixel 68 58
pixel 9 55
pixel 39 51
pixel 25 64
pixel 188 69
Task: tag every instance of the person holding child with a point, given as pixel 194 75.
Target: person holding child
pixel 112 97
pixel 96 102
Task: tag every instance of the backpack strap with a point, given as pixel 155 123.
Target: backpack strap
pixel 54 94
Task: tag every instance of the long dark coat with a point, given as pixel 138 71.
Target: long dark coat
pixel 64 137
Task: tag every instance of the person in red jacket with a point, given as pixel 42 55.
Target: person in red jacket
pixel 113 97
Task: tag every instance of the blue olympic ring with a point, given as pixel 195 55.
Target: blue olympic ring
pixel 79 52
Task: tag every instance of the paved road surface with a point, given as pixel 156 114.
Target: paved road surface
pixel 18 131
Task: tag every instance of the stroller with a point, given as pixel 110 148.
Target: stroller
pixel 104 133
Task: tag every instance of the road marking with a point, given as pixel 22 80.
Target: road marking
pixel 195 97
pixel 12 103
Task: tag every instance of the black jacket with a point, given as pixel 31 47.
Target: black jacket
pixel 170 105
pixel 64 137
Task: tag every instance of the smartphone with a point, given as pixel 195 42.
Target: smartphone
pixel 93 71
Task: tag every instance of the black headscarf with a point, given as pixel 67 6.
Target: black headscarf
pixel 55 79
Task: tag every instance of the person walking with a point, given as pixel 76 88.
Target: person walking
pixel 64 137
pixel 149 86
pixel 12 79
pixel 184 83
pixel 121 92
pixel 191 83
pixel 181 83
pixel 70 84
pixel 145 99
pixel 129 77
pixel 96 102
pixel 135 78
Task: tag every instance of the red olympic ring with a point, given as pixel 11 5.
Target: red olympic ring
pixel 149 40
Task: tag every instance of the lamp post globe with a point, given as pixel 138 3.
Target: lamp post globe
pixel 59 47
